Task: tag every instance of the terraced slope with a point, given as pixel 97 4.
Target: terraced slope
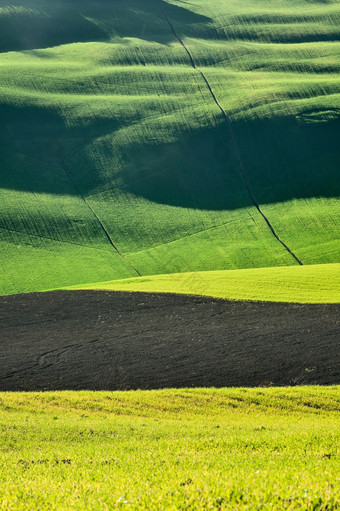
pixel 158 136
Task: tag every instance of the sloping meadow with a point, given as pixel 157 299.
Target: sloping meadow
pixel 172 449
pixel 159 137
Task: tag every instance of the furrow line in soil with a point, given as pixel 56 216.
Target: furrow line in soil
pixel 41 363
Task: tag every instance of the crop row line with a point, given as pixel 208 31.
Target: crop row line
pixel 54 240
pixel 190 235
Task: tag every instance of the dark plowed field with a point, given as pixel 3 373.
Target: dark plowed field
pixel 104 340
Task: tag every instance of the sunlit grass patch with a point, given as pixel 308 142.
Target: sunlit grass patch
pixel 171 449
pixel 306 284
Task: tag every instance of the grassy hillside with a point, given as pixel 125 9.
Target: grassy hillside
pixel 299 284
pixel 159 136
pixel 179 449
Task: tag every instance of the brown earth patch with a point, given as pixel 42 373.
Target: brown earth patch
pixel 107 341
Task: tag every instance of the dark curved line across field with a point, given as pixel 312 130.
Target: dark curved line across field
pixel 83 198
pixel 231 134
pixel 105 340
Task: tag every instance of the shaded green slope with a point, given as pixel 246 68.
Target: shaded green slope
pixel 118 146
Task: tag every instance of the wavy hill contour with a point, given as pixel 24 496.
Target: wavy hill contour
pixel 156 137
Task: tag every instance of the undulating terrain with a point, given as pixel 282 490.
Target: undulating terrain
pixel 156 137
pixel 169 219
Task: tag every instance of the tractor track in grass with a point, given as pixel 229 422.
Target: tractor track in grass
pixel 83 198
pixel 231 134
pixel 95 214
pixel 101 340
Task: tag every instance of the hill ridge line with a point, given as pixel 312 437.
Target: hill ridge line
pixel 62 163
pixel 233 141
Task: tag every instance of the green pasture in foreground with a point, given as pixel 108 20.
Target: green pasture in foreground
pixel 103 120
pixel 301 284
pixel 194 449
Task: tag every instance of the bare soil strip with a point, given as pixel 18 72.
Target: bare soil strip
pixel 101 340
pixel 231 134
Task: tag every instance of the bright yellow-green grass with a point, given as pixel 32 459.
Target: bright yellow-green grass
pixel 104 121
pixel 196 449
pixel 301 284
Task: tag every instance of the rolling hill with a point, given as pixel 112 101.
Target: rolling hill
pixel 156 137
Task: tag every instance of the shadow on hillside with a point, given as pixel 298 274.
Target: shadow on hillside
pixel 34 142
pixel 196 171
pixel 47 23
pixel 283 159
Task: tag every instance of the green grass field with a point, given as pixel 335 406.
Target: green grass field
pixel 179 449
pixel 106 126
pixel 183 147
pixel 300 284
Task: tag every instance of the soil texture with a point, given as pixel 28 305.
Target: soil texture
pixel 100 340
